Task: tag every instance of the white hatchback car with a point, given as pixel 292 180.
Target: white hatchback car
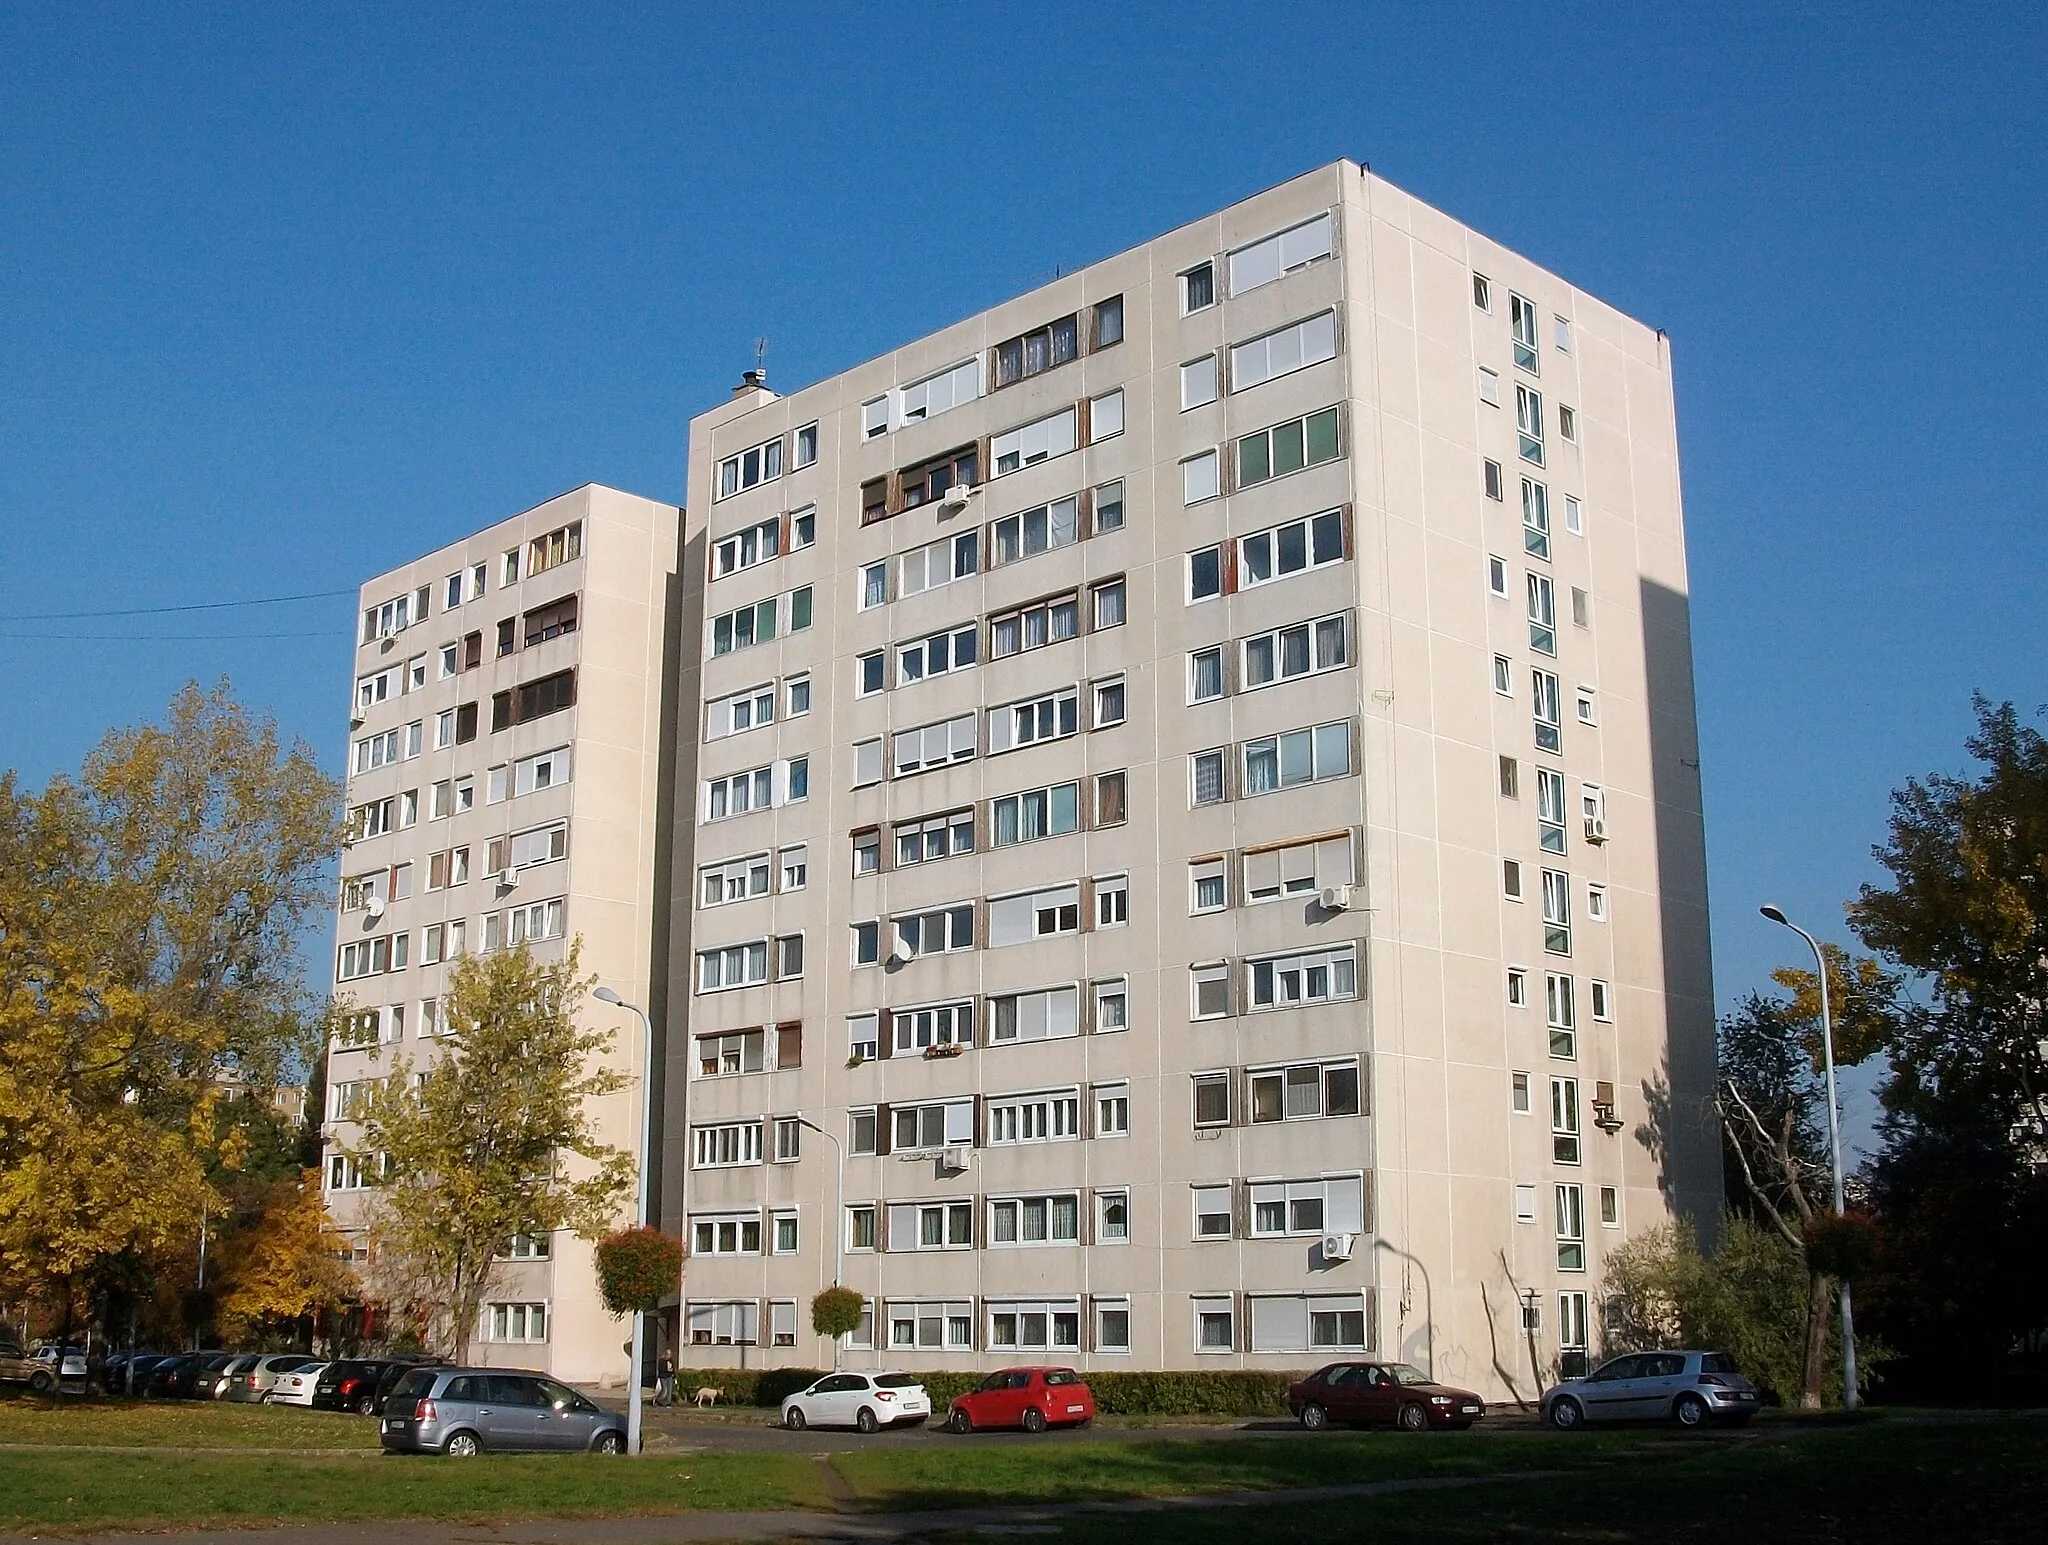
pixel 869 1401
pixel 294 1388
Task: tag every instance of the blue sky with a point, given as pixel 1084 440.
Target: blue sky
pixel 294 293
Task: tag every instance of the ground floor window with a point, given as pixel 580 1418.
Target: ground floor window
pixel 735 1323
pixel 1308 1322
pixel 931 1326
pixel 515 1322
pixel 1053 1324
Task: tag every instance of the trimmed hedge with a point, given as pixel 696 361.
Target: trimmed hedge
pixel 1223 1392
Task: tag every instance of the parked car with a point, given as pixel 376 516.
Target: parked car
pixel 1031 1398
pixel 1689 1388
pixel 395 1374
pixel 18 1366
pixel 256 1381
pixel 1368 1393
pixel 466 1411
pixel 350 1384
pixel 295 1386
pixel 164 1375
pixel 224 1381
pixel 869 1401
pixel 119 1367
pixel 67 1365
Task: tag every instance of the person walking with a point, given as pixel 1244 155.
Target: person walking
pixel 665 1379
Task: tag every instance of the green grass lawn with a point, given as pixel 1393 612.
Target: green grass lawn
pixel 179 1424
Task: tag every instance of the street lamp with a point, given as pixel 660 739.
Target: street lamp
pixel 838 1216
pixel 606 995
pixel 1827 1046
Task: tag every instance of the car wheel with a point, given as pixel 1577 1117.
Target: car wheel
pixel 865 1421
pixel 1689 1410
pixel 42 1381
pixel 609 1443
pixel 793 1419
pixel 367 1406
pixel 462 1445
pixel 1034 1419
pixel 1314 1417
pixel 960 1421
pixel 1566 1414
pixel 1412 1418
pixel 269 1399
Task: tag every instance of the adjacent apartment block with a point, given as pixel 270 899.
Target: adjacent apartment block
pixel 506 783
pixel 1188 834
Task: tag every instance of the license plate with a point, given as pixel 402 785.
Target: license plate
pixel 1470 1411
pixel 1073 1410
pixel 394 1426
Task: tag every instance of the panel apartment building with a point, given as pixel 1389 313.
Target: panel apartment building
pixel 1197 844
pixel 506 780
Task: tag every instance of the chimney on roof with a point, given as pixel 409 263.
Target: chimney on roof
pixel 755 380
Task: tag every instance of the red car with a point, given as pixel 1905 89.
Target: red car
pixel 1031 1398
pixel 1370 1393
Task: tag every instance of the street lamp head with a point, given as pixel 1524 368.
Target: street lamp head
pixel 1775 913
pixel 606 995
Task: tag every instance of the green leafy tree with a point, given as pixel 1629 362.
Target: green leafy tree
pixel 149 908
pixel 491 1141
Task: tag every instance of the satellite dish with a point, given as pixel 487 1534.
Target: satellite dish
pixel 374 907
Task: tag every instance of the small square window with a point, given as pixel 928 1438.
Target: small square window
pixel 1206 888
pixel 1109 703
pixel 1587 715
pixel 1211 990
pixel 1596 903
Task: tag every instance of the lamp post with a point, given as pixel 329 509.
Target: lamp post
pixel 606 995
pixel 838 1216
pixel 1777 915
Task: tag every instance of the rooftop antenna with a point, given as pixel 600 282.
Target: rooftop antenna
pixel 761 355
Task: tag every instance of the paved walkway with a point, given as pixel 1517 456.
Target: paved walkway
pixel 691 1528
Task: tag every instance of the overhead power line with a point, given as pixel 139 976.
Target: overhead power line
pixel 159 611
pixel 152 638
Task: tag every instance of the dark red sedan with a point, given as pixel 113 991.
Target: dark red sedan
pixel 1031 1398
pixel 1371 1393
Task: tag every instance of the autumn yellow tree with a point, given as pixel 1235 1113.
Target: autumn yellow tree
pixel 148 911
pixel 292 1265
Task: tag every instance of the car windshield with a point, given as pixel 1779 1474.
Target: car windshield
pixel 1407 1373
pixel 896 1381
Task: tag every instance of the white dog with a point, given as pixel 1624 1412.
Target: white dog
pixel 708 1396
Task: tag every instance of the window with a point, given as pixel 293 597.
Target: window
pixel 1032 353
pixel 789 1053
pixel 532 923
pixel 931 1126
pixel 874 417
pixel 1106 416
pixel 531 700
pixel 1586 710
pixel 1050 1015
pixel 938 1024
pixel 757 464
pixel 1214 1325
pixel 739 793
pixel 734 965
pixel 1548 717
pixel 936 837
pixel 1610 1207
pixel 1205 778
pixel 1529 423
pixel 937 393
pixel 805 450
pixel 744 628
pixel 933 745
pixel 1108 605
pixel 1557 912
pixel 1518 987
pixel 874 586
pixel 526 850
pixel 1112 1324
pixel 1334 1205
pixel 1602 1000
pixel 1112 1006
pixel 1109 507
pixel 1503 675
pixel 1596 903
pixel 1496 575
pixel 508 568
pixel 1285 448
pixel 936 932
pixel 1109 321
pixel 1266 260
pixel 373 957
pixel 735 1142
pixel 1206 891
pixel 550 621
pixel 746 710
pixel 1031 532
pixel 929 1327
pixel 515 1322
pixel 1032 627
pixel 450 662
pixel 400 613
pixel 1054 1325
pixel 1298 650
pixel 794 864
pixel 1489 387
pixel 1286 981
pixel 1571 1228
pixel 372 690
pixel 375 751
pixel 938 563
pixel 1482 292
pixel 1198 382
pixel 867 853
pixel 1290 549
pixel 1286 349
pixel 1518 1093
pixel 860 1224
pixel 1035 1118
pixel 732 1234
pixel 867 763
pixel 1574 515
pixel 862 1043
pixel 803 527
pixel 789 956
pixel 1550 801
pixel 1564 1120
pixel 1111 799
pixel 1036 813
pixel 1510 778
pixel 929 482
pixel 797 697
pixel 544 770
pixel 1567 422
pixel 1212 1209
pixel 1034 915
pixel 1198 288
pixel 1199 478
pixel 1205 574
pixel 1109 703
pixel 1562 337
pixel 870 673
pixel 1308 1091
pixel 1542 613
pixel 1036 1220
pixel 1028 444
pixel 1113 1114
pixel 1525 1209
pixel 1205 675
pixel 736 1051
pixel 1535 519
pixel 1299 869
pixel 1308 1322
pixel 1582 608
pixel 1112 901
pixel 1511 879
pixel 1297 757
pixel 1522 328
pixel 955 649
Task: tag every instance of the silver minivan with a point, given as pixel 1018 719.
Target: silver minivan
pixel 466 1411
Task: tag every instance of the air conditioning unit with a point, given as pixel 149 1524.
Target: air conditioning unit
pixel 1596 828
pixel 355 720
pixel 1337 1247
pixel 1335 898
pixel 953 1157
pixel 510 877
pixel 956 498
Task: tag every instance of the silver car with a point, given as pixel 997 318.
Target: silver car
pixel 255 1382
pixel 468 1411
pixel 1689 1388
